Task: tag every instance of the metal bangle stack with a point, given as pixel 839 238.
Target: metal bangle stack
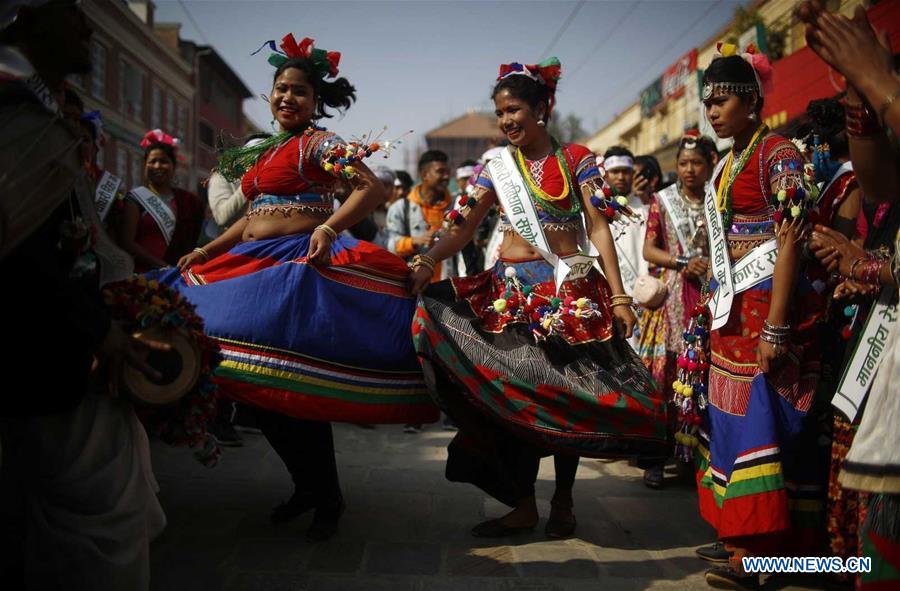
pixel 621 300
pixel 422 260
pixel 776 335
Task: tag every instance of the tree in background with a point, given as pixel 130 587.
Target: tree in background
pixel 568 129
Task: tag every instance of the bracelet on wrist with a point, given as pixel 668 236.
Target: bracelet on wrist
pixel 328 230
pixel 422 260
pixel 856 262
pixel 681 262
pixel 621 300
pixel 202 252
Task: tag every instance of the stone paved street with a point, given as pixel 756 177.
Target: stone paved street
pixel 407 528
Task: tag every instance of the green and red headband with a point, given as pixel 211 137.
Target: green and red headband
pixel 325 62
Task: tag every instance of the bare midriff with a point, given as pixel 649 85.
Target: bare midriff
pixel 265 226
pixel 738 253
pixel 515 247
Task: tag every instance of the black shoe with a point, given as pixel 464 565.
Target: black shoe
pixel 297 505
pixel 653 477
pixel 225 435
pixel 560 528
pixel 325 522
pixel 714 552
pixel 723 577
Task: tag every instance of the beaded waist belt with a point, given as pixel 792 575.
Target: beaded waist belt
pixel 547 226
pixel 304 203
pixel 749 231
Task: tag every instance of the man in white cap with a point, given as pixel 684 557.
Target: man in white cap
pixel 76 480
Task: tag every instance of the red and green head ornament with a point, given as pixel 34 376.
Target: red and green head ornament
pixel 546 73
pixel 326 62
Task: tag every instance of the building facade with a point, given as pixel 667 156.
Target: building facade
pixel 218 104
pixel 138 83
pixel 466 137
pixel 668 107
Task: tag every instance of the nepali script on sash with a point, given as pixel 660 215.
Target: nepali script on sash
pixel 723 297
pixel 523 217
pixel 753 268
pixel 106 193
pixel 158 209
pixel 627 268
pixel 114 263
pixel 867 355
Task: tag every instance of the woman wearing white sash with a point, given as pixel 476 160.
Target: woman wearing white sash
pixel 761 473
pixel 160 223
pixel 677 249
pixel 528 358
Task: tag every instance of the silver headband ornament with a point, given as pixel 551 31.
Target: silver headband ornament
pixel 717 88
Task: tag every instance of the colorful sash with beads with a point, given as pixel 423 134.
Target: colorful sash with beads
pixel 867 355
pixel 753 268
pixel 158 209
pixel 523 217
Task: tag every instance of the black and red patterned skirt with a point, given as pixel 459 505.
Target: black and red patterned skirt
pixel 505 355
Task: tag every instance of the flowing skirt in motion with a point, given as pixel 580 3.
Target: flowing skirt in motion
pixel 579 391
pixel 317 343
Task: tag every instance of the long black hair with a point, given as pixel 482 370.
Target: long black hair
pixel 337 94
pixel 734 69
pixel 526 89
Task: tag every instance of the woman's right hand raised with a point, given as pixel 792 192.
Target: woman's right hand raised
pixel 419 279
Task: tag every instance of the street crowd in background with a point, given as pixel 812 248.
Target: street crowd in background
pixel 735 317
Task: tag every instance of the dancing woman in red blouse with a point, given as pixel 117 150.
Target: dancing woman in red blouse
pixel 313 326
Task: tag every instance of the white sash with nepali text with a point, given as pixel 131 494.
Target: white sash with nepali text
pixel 753 268
pixel 158 209
pixel 105 194
pixel 867 355
pixel 513 196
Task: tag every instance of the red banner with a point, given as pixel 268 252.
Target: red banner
pixel 679 74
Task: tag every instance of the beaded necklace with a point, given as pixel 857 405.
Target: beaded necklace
pixel 541 197
pixel 730 173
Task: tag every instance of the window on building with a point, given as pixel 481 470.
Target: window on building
pixel 101 156
pixel 137 168
pixel 156 108
pixel 181 126
pixel 98 70
pixel 131 90
pixel 170 115
pixel 122 165
pixel 207 135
